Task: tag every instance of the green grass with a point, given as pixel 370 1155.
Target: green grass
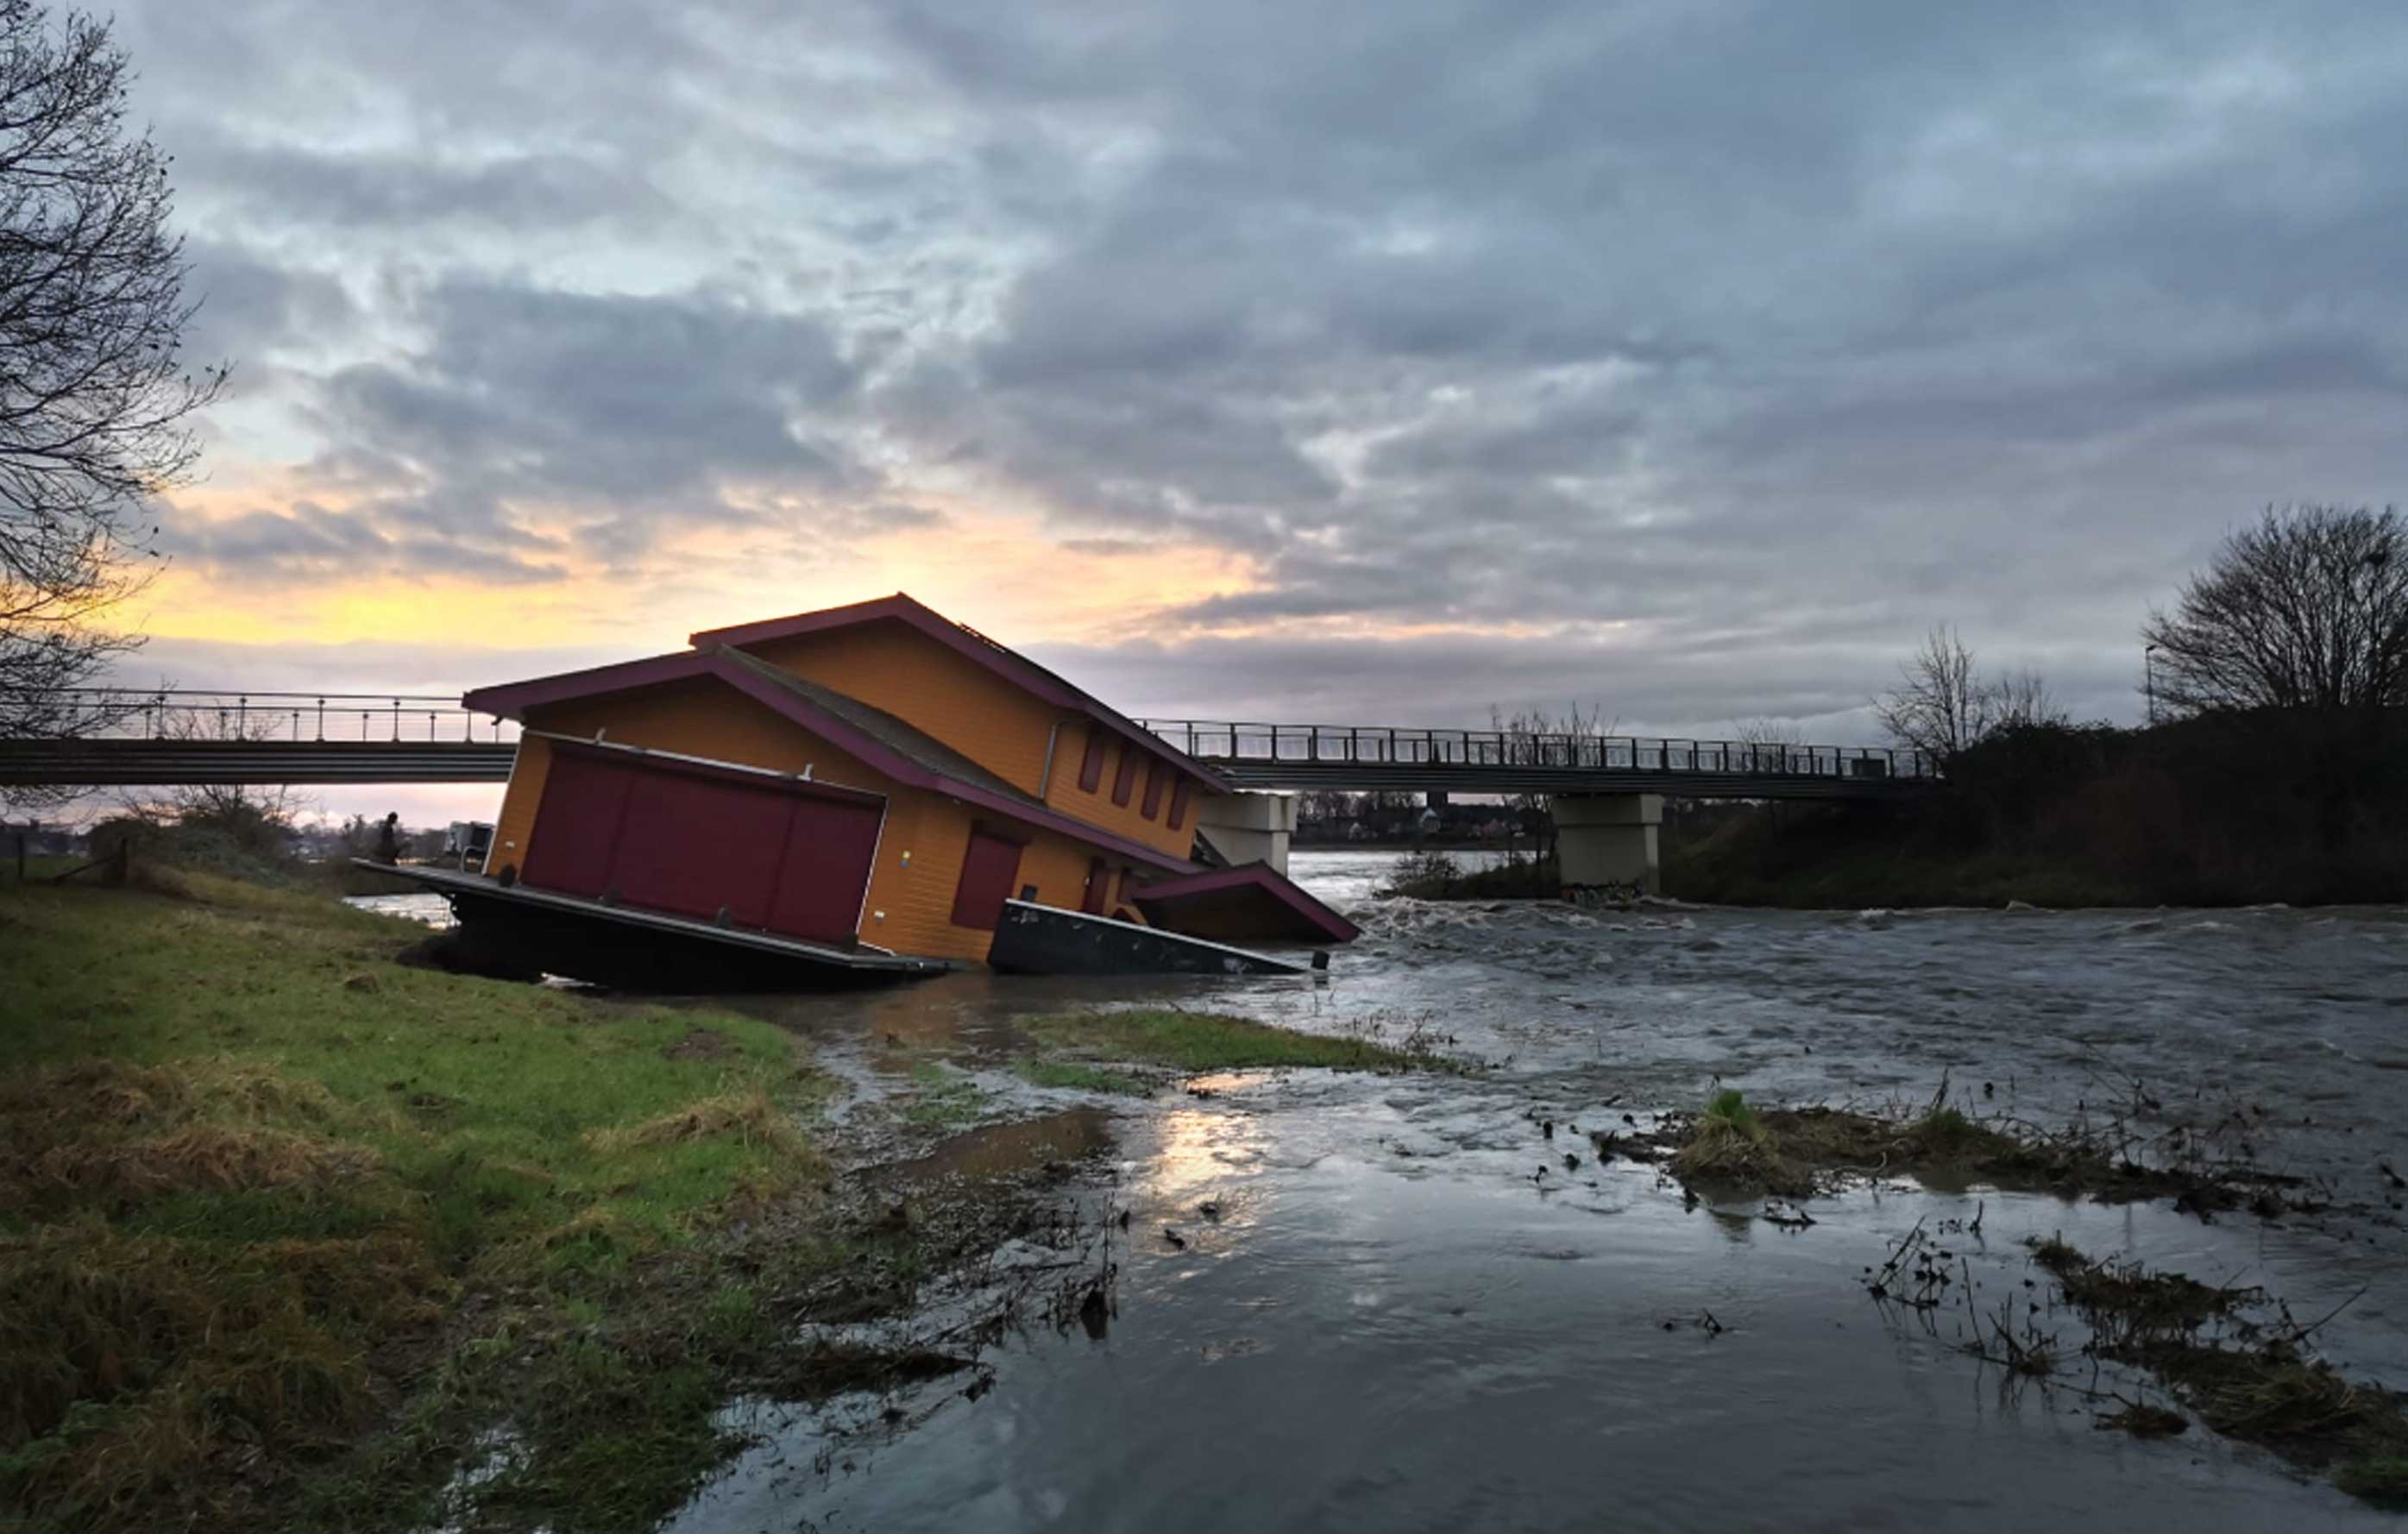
pixel 283 1225
pixel 1729 1107
pixel 1076 1076
pixel 1198 1041
pixel 943 1098
pixel 2380 1479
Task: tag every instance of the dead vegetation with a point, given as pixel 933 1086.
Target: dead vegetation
pixel 130 1365
pixel 1732 1148
pixel 2248 1375
pixel 751 1117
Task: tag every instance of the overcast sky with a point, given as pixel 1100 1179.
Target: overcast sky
pixel 1359 362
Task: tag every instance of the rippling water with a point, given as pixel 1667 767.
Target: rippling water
pixel 1397 1324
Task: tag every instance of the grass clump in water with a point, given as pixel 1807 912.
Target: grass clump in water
pixel 943 1098
pixel 2255 1384
pixel 1075 1076
pixel 1202 1041
pixel 1729 1144
pixel 2379 1478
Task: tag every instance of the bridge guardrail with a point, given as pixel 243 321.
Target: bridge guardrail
pixel 1225 741
pixel 124 714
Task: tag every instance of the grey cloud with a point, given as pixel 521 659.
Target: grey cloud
pixel 1731 345
pixel 307 542
pixel 390 190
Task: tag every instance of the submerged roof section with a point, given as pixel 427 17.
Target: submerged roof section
pixel 1253 900
pixel 893 746
pixel 964 640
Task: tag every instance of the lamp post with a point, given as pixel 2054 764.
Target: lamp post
pixel 2149 680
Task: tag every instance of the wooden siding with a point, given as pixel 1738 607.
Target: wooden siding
pixel 895 667
pixel 985 717
pixel 920 851
pixel 1095 806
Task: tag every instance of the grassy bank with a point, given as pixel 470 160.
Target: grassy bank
pixel 283 1227
pixel 292 1235
pixel 1819 860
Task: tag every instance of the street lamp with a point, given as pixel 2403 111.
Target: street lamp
pixel 2149 680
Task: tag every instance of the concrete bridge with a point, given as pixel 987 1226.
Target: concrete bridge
pixel 1607 791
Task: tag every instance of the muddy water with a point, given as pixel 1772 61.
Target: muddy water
pixel 1409 1314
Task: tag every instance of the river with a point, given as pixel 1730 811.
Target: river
pixel 1400 1322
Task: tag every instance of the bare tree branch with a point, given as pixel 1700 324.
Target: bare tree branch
pixel 94 395
pixel 2307 608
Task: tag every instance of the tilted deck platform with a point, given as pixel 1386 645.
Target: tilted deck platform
pixel 550 923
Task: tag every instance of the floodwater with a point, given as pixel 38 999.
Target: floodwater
pixel 1409 1314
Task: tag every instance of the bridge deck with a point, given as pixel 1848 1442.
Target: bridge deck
pixel 98 736
pixel 157 763
pixel 1359 757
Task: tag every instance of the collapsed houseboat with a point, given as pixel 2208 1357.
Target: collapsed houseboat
pixel 847 796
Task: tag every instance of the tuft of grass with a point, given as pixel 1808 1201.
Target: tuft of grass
pixel 1728 1107
pixel 2379 1478
pixel 943 1098
pixel 749 1115
pixel 1728 1145
pixel 1201 1042
pixel 1072 1075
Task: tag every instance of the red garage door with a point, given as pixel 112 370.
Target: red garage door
pixel 694 840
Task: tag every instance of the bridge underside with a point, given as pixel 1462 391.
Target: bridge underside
pixel 1420 778
pixel 104 763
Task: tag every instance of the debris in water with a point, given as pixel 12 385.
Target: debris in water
pixel 1178 1242
pixel 2141 1420
pixel 1209 1209
pixel 1095 1313
pixel 1571 1162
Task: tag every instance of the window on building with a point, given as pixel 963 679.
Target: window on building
pixel 1091 765
pixel 1126 778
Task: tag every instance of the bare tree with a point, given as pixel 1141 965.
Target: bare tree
pixel 2306 609
pixel 1768 740
pixel 1943 705
pixel 94 397
pixel 1940 705
pixel 261 812
pixel 2021 699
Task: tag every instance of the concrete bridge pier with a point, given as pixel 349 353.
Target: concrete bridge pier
pixel 1609 839
pixel 1249 827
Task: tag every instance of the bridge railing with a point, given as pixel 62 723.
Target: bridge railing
pixel 182 714
pixel 1227 742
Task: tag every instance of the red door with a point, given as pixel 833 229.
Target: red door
pixel 692 845
pixel 828 849
pixel 988 869
pixel 584 801
pixel 690 840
